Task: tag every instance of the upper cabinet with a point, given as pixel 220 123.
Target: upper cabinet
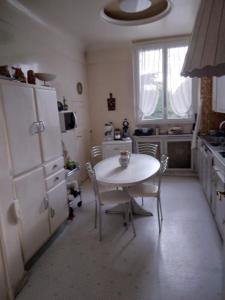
pixel 218 103
pixel 32 124
pixel 22 126
pixel 49 124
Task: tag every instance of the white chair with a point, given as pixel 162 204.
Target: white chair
pixel 108 197
pixel 149 189
pixel 147 148
pixel 96 152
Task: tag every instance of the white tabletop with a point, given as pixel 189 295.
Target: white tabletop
pixel 140 168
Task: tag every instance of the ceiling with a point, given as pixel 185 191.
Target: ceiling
pixel 80 18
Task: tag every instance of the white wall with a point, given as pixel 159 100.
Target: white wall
pixel 32 44
pixel 110 72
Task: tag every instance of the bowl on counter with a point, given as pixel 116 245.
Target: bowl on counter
pixel 45 77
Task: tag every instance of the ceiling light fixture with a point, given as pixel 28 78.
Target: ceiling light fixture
pixel 135 12
pixel 132 6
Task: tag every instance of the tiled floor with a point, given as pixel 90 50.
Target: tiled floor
pixel 184 262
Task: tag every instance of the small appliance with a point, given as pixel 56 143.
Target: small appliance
pixel 108 131
pixel 68 120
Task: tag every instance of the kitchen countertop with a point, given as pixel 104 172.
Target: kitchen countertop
pixel 208 140
pixel 163 135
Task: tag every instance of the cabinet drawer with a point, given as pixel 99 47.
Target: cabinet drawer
pixel 55 179
pixel 54 166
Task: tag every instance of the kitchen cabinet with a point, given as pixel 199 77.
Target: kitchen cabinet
pixel 34 226
pixel 218 204
pixel 177 147
pixel 82 150
pixel 49 118
pixel 218 103
pixel 58 209
pixel 211 169
pixel 179 152
pixel 205 169
pixel 35 150
pixel 111 148
pixel 5 284
pixel 22 127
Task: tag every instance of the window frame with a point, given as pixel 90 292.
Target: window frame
pixel 160 44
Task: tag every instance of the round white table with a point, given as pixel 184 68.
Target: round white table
pixel 140 168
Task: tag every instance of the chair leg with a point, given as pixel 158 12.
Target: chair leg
pixel 96 213
pixel 142 201
pixel 160 206
pixel 126 215
pixel 158 212
pixel 131 218
pixel 100 222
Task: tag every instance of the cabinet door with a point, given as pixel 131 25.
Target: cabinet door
pixel 20 114
pixel 220 203
pixel 30 191
pixel 218 102
pixel 82 150
pixel 3 285
pixel 48 114
pixel 58 205
pixel 179 153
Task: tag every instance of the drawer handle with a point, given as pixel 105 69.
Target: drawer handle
pixel 41 126
pixel 34 128
pixel 55 166
pixel 116 149
pixel 56 178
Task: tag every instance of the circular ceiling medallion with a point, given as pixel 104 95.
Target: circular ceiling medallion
pixel 135 12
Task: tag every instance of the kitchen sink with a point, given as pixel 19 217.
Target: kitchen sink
pixel 215 141
pixel 222 153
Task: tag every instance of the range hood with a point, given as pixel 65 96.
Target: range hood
pixel 206 53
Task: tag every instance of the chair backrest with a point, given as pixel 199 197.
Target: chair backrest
pixel 92 176
pixel 96 151
pixel 163 166
pixel 147 148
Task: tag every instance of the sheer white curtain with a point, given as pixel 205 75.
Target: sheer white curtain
pixel 150 81
pixel 179 88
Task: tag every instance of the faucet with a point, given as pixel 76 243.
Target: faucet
pixel 221 124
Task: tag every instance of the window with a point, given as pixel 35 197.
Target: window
pixel 162 95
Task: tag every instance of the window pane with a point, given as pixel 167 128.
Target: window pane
pixel 179 89
pixel 150 85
